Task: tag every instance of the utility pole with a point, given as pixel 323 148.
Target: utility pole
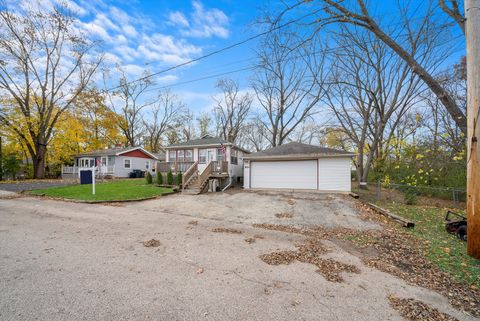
pixel 1 159
pixel 472 30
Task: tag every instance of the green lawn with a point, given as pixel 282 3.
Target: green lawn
pixel 116 190
pixel 444 250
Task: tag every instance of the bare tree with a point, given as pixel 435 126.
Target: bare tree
pixel 254 137
pixel 288 83
pixel 166 112
pixel 373 90
pixel 128 100
pixel 444 132
pixel 44 65
pixel 204 122
pixel 357 13
pixel 231 110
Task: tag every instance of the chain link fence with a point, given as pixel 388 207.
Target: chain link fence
pixel 411 194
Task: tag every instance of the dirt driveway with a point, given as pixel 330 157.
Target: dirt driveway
pixel 70 261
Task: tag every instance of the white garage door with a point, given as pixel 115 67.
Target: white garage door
pixel 284 174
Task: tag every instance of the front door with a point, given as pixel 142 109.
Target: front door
pixel 211 156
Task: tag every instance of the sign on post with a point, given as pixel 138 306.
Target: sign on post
pixel 93 181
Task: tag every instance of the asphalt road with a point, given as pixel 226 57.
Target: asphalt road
pixel 72 261
pixel 20 186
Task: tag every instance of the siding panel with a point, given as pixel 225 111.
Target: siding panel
pixel 334 174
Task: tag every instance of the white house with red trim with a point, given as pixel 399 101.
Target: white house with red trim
pixel 115 162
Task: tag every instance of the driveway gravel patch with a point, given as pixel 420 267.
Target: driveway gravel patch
pixel 415 310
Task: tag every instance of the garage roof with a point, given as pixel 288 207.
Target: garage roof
pixel 296 150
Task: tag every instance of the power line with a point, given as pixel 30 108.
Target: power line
pixel 325 51
pixel 220 50
pixel 235 45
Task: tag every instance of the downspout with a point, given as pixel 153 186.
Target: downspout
pixel 229 184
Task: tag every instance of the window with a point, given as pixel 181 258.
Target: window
pixel 126 163
pixel 104 161
pixel 234 156
pixel 180 155
pixel 202 156
pixel 172 156
pixel 220 154
pixel 147 165
pixel 87 162
pixel 189 155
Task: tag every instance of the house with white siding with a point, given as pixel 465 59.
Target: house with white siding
pixel 297 166
pixel 206 163
pixel 114 162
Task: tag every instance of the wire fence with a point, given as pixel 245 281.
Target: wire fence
pixel 410 193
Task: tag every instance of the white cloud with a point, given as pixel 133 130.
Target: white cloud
pixel 127 53
pixel 204 23
pixel 178 18
pixel 160 47
pixel 134 71
pixel 111 58
pixel 96 30
pixel 168 79
pixel 130 31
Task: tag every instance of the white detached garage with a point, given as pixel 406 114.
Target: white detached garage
pixel 299 166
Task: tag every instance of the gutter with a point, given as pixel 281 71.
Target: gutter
pixel 296 157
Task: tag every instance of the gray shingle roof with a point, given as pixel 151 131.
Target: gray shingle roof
pixel 103 152
pixel 205 140
pixel 298 149
pixel 160 156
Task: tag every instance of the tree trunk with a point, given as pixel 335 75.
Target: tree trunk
pixel 360 169
pixel 448 102
pixel 39 161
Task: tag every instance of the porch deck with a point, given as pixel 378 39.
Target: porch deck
pixel 73 171
pixel 219 168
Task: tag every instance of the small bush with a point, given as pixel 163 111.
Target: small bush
pixel 179 179
pixel 410 195
pixel 159 178
pixel 170 178
pixel 149 178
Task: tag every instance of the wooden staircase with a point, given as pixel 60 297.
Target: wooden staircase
pixel 195 183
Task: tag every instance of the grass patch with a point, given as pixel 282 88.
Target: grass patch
pixel 116 190
pixel 444 249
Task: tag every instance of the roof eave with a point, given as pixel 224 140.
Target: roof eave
pixel 297 156
pixel 194 146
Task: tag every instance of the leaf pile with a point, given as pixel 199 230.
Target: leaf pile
pixel 414 310
pixel 281 228
pixel 310 252
pixel 250 240
pixel 401 255
pixel 226 230
pixel 151 243
pixel 284 215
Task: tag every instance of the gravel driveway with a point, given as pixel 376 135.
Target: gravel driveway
pixel 72 261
